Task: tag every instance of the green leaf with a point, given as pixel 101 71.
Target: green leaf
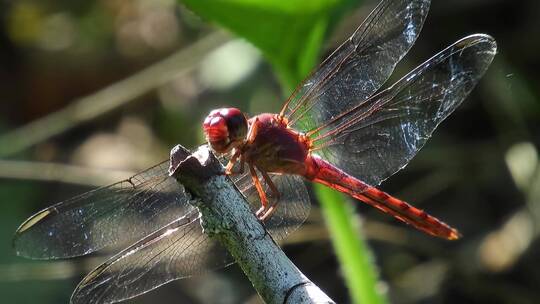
pixel 355 258
pixel 289 33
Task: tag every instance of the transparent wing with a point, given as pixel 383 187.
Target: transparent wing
pixel 121 213
pixel 176 251
pixel 380 135
pixel 181 249
pixel 359 66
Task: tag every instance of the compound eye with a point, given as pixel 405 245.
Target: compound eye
pixel 236 123
pixel 225 129
pixel 217 134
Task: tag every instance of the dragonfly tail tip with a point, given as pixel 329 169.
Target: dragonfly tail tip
pixel 454 235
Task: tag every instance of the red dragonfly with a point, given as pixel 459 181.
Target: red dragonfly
pixel 338 129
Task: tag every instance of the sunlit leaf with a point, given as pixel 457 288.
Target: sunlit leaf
pixel 289 33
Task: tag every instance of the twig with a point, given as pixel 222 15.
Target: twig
pixel 226 216
pixel 109 98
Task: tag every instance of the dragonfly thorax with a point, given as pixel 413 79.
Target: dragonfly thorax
pixel 225 129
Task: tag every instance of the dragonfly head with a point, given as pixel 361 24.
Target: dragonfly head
pixel 225 129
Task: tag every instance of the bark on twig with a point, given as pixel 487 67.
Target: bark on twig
pixel 227 217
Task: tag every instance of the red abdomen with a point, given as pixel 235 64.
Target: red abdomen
pixel 320 171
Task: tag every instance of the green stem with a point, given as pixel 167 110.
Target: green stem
pixel 352 252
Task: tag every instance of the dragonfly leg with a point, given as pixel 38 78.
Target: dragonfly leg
pixel 254 128
pixel 260 190
pixel 275 196
pixel 232 161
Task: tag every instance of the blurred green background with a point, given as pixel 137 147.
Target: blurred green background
pixel 94 91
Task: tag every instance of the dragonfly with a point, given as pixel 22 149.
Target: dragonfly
pixel 339 128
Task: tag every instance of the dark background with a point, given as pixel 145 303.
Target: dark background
pixel 479 172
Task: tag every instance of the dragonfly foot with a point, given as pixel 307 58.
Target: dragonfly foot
pixel 267 213
pixel 259 212
pixel 264 213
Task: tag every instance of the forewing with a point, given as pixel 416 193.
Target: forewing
pixel 176 251
pixel 121 213
pixel 382 134
pixel 359 66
